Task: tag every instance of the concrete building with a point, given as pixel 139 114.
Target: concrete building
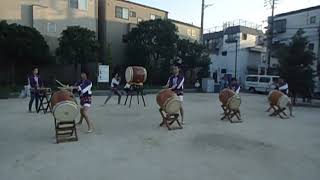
pixel 50 17
pixel 117 18
pixel 187 31
pixel 287 24
pixel 236 50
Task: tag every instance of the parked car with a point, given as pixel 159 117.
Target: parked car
pixel 260 83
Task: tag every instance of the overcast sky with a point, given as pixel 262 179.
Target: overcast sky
pixel 224 10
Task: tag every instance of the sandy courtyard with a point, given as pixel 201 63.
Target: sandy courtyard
pixel 129 144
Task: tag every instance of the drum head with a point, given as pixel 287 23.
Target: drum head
pixel 283 101
pixel 129 74
pixel 65 111
pixel 146 74
pixel 173 105
pixel 234 102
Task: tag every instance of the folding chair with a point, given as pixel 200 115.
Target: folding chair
pixel 169 119
pixel 230 114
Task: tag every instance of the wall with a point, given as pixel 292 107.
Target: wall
pixel 183 31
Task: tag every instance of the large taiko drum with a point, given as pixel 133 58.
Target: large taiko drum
pixel 230 99
pixel 64 106
pixel 169 101
pixel 136 74
pixel 278 98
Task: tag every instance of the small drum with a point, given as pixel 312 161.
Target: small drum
pixel 169 101
pixel 64 106
pixel 230 99
pixel 136 74
pixel 278 98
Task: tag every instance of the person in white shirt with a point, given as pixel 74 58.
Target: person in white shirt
pixel 115 82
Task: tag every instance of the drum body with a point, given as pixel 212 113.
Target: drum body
pixel 169 101
pixel 64 106
pixel 136 74
pixel 278 98
pixel 230 99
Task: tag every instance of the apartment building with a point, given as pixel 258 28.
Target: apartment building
pixel 117 18
pixel 187 31
pixel 50 17
pixel 236 50
pixel 287 24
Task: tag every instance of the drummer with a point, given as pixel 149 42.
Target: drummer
pixel 175 83
pixel 84 87
pixel 35 83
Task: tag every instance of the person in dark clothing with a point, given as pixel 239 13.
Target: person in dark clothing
pixel 35 83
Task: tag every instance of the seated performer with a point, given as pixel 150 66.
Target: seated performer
pixel 35 83
pixel 115 82
pixel 84 87
pixel 175 83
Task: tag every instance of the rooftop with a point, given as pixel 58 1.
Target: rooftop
pixel 187 24
pixel 143 5
pixel 298 11
pixel 232 30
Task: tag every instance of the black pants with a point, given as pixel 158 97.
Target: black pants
pixel 116 92
pixel 34 96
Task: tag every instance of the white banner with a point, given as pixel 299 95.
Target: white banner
pixel 103 75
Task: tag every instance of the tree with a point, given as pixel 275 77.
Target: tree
pixel 296 62
pixel 22 45
pixel 153 45
pixel 77 45
pixel 193 56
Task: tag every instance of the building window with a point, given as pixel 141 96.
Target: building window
pixel 313 20
pixel 223 71
pixel 244 36
pixel 79 4
pixel 133 14
pixel 153 17
pixel 193 33
pixel 311 46
pixel 280 26
pixel 122 13
pixel 139 20
pixel 52 28
pixel 224 53
pixel 189 32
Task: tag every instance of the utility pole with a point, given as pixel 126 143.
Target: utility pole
pixel 202 17
pixel 236 60
pixel 270 32
pixel 203 7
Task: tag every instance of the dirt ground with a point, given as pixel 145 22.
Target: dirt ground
pixel 129 144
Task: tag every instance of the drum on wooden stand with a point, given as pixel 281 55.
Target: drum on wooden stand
pixel 136 74
pixel 64 106
pixel 230 99
pixel 278 98
pixel 169 101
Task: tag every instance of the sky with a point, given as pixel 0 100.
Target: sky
pixel 225 10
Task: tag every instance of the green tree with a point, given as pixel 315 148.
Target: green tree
pixel 153 45
pixel 22 45
pixel 193 56
pixel 77 45
pixel 296 62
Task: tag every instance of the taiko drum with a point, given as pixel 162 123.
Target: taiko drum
pixel 230 99
pixel 169 101
pixel 136 74
pixel 64 106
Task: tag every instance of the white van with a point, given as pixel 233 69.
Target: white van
pixel 260 83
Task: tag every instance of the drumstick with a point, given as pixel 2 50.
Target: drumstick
pixel 61 84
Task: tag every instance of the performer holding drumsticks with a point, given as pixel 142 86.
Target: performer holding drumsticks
pixel 175 83
pixel 84 88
